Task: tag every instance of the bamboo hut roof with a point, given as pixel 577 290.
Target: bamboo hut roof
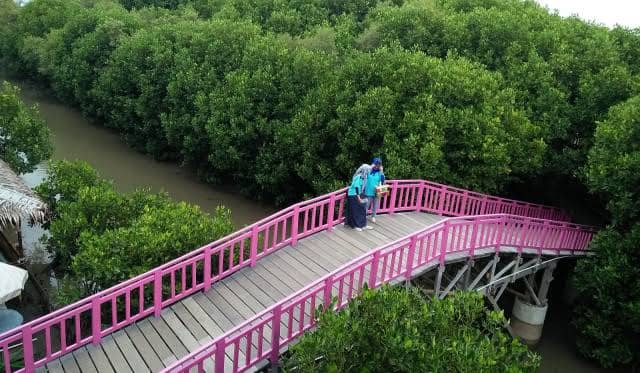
pixel 17 200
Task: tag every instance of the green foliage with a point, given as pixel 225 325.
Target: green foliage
pixel 394 330
pixel 65 180
pixel 156 236
pixel 100 237
pixel 445 120
pixel 607 316
pixel 613 169
pixel 24 137
pixel 280 97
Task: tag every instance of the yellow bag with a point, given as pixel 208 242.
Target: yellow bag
pixel 382 190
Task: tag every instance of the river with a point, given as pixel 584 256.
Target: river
pixel 74 137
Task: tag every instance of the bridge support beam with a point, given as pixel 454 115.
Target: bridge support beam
pixel 527 319
pixel 438 280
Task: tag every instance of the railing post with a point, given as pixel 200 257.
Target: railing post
pixel 295 225
pixel 157 292
pixel 27 346
pixel 207 267
pixel 328 286
pixel 419 203
pixel 373 274
pixel 254 245
pixel 220 356
pixel 474 237
pixel 443 241
pixel 394 193
pixel 465 197
pixel 275 336
pixel 483 205
pixel 96 321
pixel 563 233
pixel 543 239
pixel 443 192
pixel 523 234
pixel 501 225
pixel 411 257
pixel 331 212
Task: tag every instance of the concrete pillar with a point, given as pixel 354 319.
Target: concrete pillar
pixel 527 320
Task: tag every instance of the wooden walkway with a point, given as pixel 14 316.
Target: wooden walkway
pixel 153 343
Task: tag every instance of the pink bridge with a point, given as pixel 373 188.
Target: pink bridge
pixel 238 303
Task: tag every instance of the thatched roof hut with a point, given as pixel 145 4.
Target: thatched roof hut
pixel 17 200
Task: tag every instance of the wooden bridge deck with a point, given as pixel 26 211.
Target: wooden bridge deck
pixel 153 343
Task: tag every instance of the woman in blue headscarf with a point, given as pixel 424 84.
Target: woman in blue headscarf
pixel 375 178
pixel 356 203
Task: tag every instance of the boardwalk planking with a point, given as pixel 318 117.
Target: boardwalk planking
pixel 153 342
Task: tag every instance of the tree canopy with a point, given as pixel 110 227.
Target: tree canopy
pixel 395 330
pixel 24 137
pixel 100 237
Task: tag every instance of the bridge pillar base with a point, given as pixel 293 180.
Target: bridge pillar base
pixel 527 321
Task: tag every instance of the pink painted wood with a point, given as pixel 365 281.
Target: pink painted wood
pixel 150 292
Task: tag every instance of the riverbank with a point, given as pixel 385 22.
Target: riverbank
pixel 75 137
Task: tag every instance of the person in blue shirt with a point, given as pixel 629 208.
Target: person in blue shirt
pixel 356 204
pixel 375 178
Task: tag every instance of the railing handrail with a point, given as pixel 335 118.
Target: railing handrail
pixel 215 247
pixel 358 261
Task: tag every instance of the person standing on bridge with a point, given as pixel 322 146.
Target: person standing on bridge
pixel 357 212
pixel 374 179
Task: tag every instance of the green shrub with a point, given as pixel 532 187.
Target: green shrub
pixel 394 330
pixel 24 137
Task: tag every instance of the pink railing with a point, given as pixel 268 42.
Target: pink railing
pixel 92 318
pixel 266 334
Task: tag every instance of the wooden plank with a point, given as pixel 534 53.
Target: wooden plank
pixel 338 245
pixel 393 228
pixel 308 263
pixel 327 262
pixel 245 296
pixel 171 339
pixel 55 366
pixel 262 292
pixel 157 343
pixel 301 269
pixel 116 358
pixel 222 320
pixel 99 358
pixel 232 302
pixel 129 351
pixel 69 363
pixel 426 218
pixel 85 364
pixel 419 219
pixel 407 222
pixel 359 244
pixel 190 323
pixel 179 329
pixel 202 317
pixel 301 275
pixel 289 278
pixel 148 354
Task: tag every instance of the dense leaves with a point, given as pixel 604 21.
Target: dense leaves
pixel 608 312
pixel 100 237
pixel 395 330
pixel 608 315
pixel 24 137
pixel 613 169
